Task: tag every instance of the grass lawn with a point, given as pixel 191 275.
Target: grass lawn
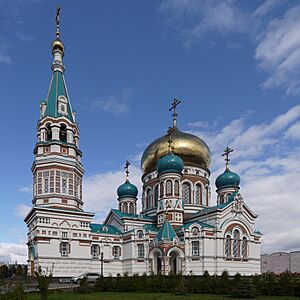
pixel 143 296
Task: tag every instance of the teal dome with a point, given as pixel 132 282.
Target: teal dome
pixel 228 179
pixel 169 163
pixel 127 189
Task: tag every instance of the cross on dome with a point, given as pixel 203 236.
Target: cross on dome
pixel 226 153
pixel 127 164
pixel 173 107
pixel 57 20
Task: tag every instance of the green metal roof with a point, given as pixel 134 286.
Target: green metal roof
pixel 103 228
pixel 57 88
pixel 131 216
pixel 166 232
pixel 150 227
pixel 203 225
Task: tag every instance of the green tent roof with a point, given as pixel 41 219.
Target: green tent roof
pixel 166 232
pixel 57 88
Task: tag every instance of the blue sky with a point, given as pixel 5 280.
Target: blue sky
pixel 235 65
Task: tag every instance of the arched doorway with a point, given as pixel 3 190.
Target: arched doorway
pixel 156 256
pixel 174 263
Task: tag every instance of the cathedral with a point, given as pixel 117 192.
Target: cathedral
pixel 177 230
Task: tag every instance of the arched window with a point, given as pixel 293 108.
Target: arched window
pixel 221 199
pixel 195 230
pixel 176 188
pixel 63 133
pixel 148 199
pixel 207 195
pixel 140 234
pixel 48 132
pixel 131 208
pixel 235 245
pixel 169 188
pixel 245 247
pixel 186 193
pixel 228 246
pixel 155 195
pixel 125 207
pixel 162 188
pixel 198 195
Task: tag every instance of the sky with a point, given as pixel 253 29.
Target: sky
pixel 234 64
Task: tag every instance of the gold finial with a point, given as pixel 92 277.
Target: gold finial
pixel 57 22
pixel 226 153
pixel 173 107
pixel 127 164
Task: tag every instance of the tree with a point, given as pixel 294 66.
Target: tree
pixel 44 278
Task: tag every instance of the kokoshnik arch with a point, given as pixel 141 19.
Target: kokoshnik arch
pixel 178 230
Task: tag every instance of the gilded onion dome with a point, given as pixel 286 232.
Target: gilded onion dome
pixel 192 150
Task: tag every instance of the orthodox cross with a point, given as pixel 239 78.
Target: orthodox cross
pixel 174 104
pixel 226 153
pixel 127 164
pixel 57 21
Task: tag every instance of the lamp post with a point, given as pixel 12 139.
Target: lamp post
pixel 101 261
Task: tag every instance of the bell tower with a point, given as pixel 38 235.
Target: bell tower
pixel 57 169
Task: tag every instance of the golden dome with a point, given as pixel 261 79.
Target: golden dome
pixel 58 44
pixel 192 150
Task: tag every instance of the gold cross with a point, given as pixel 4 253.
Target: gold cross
pixel 173 107
pixel 226 153
pixel 57 21
pixel 127 164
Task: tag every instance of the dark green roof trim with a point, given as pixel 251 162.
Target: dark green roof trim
pixel 57 88
pixel 103 228
pixel 166 232
pixel 121 214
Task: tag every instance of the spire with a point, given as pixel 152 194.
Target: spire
pixel 127 164
pixel 173 107
pixel 226 153
pixel 58 101
pixel 166 232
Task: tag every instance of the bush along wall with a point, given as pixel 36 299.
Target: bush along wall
pixel 284 284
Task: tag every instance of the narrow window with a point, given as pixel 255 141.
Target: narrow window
pixel 149 199
pixel 95 251
pixel 236 241
pixel 162 190
pixel 195 248
pixel 131 208
pixel 198 195
pixel 169 188
pixel 155 196
pixel 63 133
pixel 48 132
pixel 64 249
pixel 125 207
pixel 186 193
pixel 176 188
pixel 140 234
pixel 228 246
pixel 141 251
pixel 244 247
pixel 116 251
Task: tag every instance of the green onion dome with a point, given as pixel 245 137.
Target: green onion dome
pixel 169 163
pixel 227 179
pixel 127 189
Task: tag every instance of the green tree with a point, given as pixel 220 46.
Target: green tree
pixel 44 278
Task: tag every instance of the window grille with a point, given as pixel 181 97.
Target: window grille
pixel 235 246
pixel 228 246
pixel 198 195
pixel 176 188
pixel 116 251
pixel 195 248
pixel 186 193
pixel 141 251
pixel 95 251
pixel 169 187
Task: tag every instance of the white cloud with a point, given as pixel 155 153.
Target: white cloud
pixel 273 26
pixel 22 210
pixel 5 58
pixel 100 190
pixel 116 104
pixel 268 162
pixel 26 189
pixel 10 253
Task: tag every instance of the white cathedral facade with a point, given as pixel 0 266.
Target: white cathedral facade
pixel 178 230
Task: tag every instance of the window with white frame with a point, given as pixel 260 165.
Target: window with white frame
pixel 64 249
pixel 95 251
pixel 228 246
pixel 141 250
pixel 195 231
pixel 116 251
pixel 169 187
pixel 176 188
pixel 140 234
pixel 195 248
pixel 235 244
pixel 244 247
pixel 155 195
pixel 186 193
pixel 162 189
pixel 64 235
pixel 198 195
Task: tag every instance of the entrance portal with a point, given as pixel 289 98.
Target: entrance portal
pixel 157 263
pixel 174 263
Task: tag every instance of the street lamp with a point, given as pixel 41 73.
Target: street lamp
pixel 101 261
